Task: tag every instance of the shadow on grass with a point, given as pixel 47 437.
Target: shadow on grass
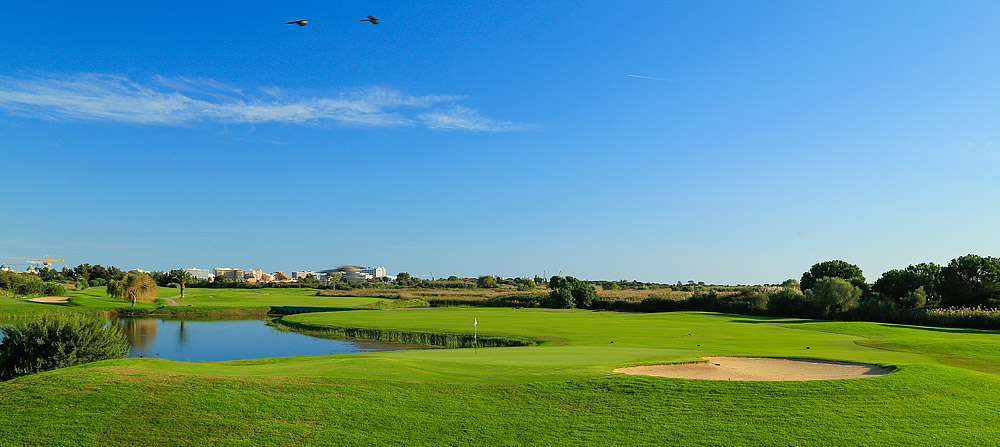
pixel 755 319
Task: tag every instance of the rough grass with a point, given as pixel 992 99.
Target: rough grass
pixel 558 393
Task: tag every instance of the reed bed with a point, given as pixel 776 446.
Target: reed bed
pixel 444 340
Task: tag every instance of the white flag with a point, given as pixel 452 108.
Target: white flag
pixel 475 321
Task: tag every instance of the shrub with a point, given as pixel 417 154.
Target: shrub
pixel 601 305
pixel 831 295
pixel 785 303
pixel 54 289
pixel 560 299
pixel 486 282
pixel 58 341
pixel 756 300
pixel 915 299
pixel 834 269
pixel 963 317
pixel 570 292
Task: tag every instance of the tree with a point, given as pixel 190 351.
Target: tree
pixel 915 299
pixel 181 278
pixel 525 284
pixel 560 299
pixel 971 280
pixel 309 281
pixel 58 341
pixel 556 282
pixel 83 271
pixel 403 279
pixel 833 269
pixel 899 283
pixel 570 292
pixel 790 283
pixel 134 287
pixel 47 274
pixel 831 294
pixel 97 271
pixel 486 282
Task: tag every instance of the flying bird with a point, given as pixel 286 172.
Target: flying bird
pixel 297 22
pixel 371 19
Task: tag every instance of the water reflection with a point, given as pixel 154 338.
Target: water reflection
pixel 140 332
pixel 216 340
pixel 201 340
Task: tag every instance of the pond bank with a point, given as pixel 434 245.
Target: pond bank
pixel 397 336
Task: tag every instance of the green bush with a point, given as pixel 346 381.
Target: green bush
pixel 58 341
pixel 54 289
pixel 570 292
pixel 486 282
pixel 830 295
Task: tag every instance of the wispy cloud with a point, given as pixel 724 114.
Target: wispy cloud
pixel 464 118
pixel 183 101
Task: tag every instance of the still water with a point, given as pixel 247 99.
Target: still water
pixel 216 340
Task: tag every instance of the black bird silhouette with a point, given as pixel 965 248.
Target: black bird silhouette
pixel 371 19
pixel 297 22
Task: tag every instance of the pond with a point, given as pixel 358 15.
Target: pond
pixel 217 340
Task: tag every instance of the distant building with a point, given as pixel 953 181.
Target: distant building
pixel 375 272
pixel 281 277
pixel 6 268
pixel 231 274
pixel 266 277
pixel 356 276
pixel 198 273
pixel 322 278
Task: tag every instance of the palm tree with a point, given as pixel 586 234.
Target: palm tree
pixel 181 278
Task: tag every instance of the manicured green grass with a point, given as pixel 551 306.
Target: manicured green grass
pixel 96 300
pixel 561 392
pixel 267 297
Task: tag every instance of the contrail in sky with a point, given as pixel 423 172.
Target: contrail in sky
pixel 653 78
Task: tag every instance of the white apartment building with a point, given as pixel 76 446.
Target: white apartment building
pixel 375 272
pixel 198 273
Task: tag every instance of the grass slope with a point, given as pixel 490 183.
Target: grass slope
pixel 559 393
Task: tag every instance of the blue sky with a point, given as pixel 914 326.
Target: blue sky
pixel 725 142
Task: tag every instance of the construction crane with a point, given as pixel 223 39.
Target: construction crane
pixel 46 262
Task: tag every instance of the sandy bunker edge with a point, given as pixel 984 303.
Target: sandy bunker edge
pixel 760 369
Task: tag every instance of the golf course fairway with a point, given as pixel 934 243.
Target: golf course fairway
pixel 563 391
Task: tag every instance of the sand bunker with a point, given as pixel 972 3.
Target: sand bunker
pixel 758 368
pixel 50 299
